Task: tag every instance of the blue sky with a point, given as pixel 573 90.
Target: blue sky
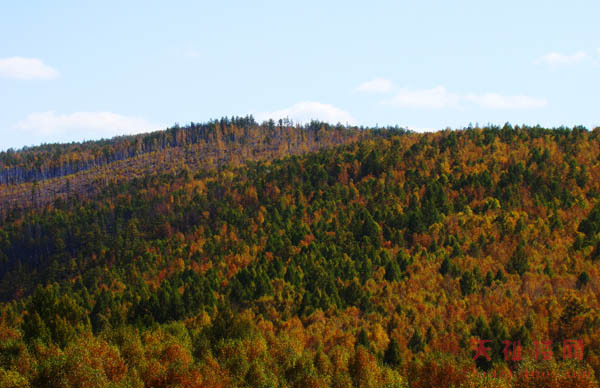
pixel 74 70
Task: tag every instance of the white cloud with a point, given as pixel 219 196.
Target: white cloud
pixel 423 129
pixel 434 98
pixel 50 126
pixel 192 53
pixel 377 85
pixel 304 112
pixel 26 68
pixel 497 101
pixel 555 58
pixel 440 98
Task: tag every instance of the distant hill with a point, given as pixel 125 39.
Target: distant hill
pixel 37 176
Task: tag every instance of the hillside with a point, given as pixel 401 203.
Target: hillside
pixel 38 176
pixel 234 254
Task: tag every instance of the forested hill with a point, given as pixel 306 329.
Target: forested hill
pixel 37 176
pixel 56 160
pixel 373 263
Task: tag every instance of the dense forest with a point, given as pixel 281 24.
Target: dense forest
pixel 273 255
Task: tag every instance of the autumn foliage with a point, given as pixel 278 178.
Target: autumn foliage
pixel 330 257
